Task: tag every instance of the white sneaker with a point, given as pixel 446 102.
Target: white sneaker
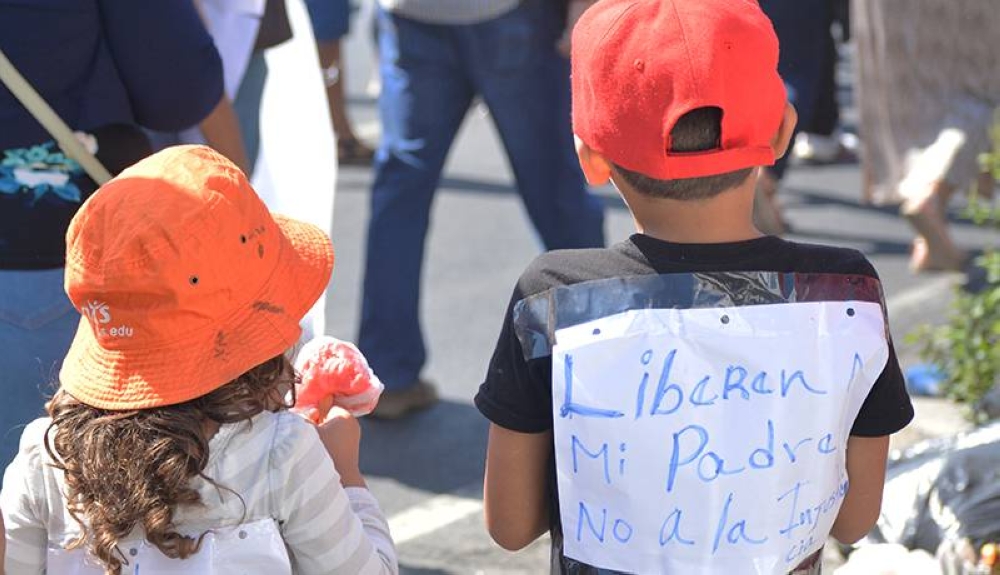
pixel 819 149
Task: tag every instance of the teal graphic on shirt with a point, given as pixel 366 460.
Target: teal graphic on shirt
pixel 39 170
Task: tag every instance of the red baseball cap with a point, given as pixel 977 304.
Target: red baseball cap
pixel 184 280
pixel 639 65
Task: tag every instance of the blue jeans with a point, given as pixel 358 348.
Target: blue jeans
pixel 37 323
pixel 430 75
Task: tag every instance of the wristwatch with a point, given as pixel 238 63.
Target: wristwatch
pixel 331 75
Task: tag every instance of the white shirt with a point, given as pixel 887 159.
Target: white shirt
pixel 277 465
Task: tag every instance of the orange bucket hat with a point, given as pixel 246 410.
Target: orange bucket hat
pixel 184 280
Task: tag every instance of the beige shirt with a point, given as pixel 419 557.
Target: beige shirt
pixel 275 463
pixel 450 11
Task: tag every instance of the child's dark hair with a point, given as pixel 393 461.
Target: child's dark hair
pixel 128 469
pixel 699 130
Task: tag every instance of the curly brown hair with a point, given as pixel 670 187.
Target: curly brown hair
pixel 128 469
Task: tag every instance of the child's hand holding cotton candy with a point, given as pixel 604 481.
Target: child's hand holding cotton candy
pixel 334 372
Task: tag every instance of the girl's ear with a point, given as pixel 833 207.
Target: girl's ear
pixel 595 167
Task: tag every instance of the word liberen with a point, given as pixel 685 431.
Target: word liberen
pixel 669 397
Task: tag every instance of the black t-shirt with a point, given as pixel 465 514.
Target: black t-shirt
pixel 517 392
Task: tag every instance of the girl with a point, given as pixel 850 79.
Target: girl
pixel 168 444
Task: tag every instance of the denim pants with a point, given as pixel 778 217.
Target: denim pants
pixel 430 75
pixel 37 323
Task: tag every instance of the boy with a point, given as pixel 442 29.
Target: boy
pixel 679 104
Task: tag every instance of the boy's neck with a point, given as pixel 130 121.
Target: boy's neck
pixel 728 217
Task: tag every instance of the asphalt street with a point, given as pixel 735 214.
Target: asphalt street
pixel 426 470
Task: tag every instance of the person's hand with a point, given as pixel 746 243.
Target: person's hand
pixel 314 413
pixel 341 435
pixel 575 10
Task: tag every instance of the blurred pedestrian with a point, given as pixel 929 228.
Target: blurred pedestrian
pixel 823 140
pixel 807 55
pixel 436 57
pixel 929 82
pixel 105 67
pixel 331 22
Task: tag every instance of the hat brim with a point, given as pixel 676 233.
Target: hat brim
pixel 189 368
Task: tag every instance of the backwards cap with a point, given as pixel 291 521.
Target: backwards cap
pixel 639 65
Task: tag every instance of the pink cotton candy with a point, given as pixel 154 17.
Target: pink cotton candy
pixel 335 369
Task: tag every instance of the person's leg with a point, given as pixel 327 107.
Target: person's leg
pixel 423 101
pixel 821 142
pixel 37 323
pixel 803 29
pixel 826 112
pixel 525 83
pixel 933 248
pixel 330 23
pixel 926 191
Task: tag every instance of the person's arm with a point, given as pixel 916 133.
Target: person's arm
pixel 222 132
pixel 516 397
pixel 886 410
pixel 24 516
pixel 866 462
pixel 166 60
pixel 514 488
pixel 330 525
pixel 341 435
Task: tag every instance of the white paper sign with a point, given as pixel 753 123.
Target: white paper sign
pixel 709 441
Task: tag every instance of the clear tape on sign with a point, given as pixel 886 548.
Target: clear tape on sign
pixel 537 318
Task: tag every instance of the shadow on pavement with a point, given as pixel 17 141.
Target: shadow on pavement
pixel 874 246
pixel 813 197
pixel 438 450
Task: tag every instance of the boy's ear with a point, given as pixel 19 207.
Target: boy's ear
pixel 786 130
pixel 595 167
